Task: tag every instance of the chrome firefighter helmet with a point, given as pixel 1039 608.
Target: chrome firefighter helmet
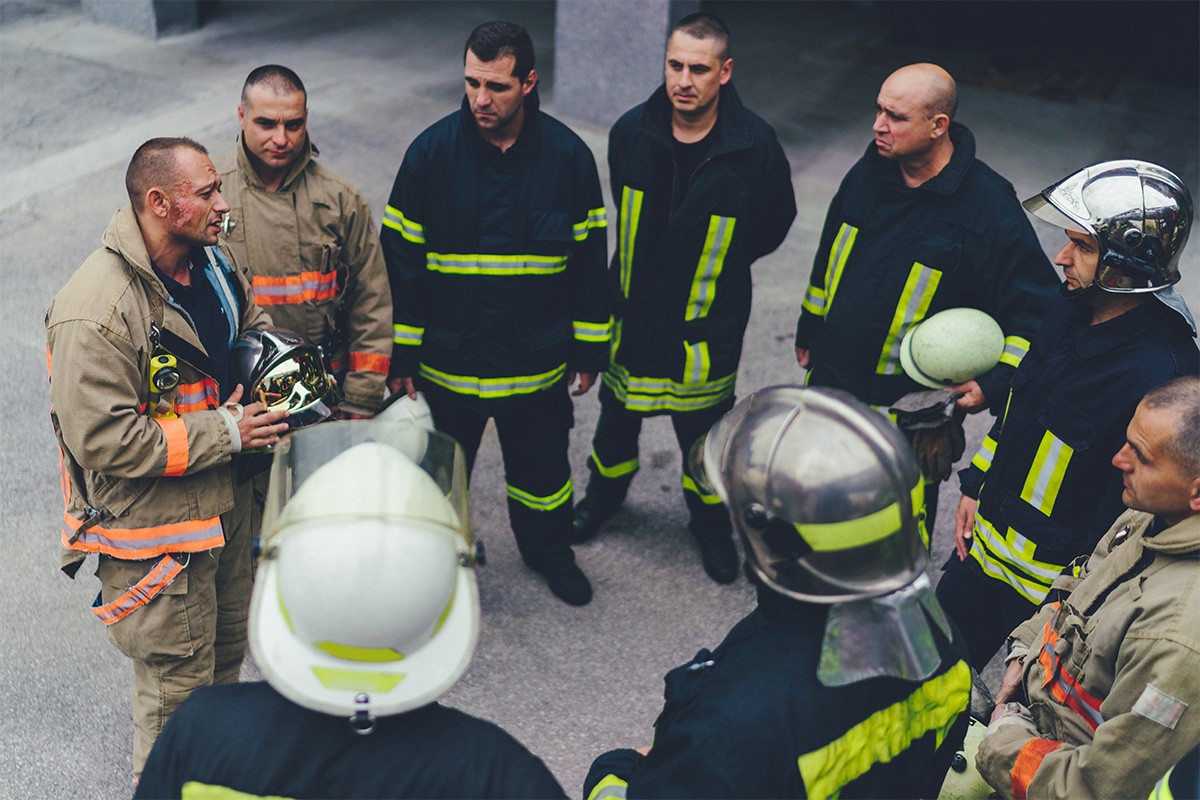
pixel 1139 213
pixel 951 347
pixel 824 491
pixel 282 370
pixel 365 602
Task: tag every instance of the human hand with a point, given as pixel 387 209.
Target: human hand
pixel 1009 683
pixel 586 381
pixel 256 426
pixel 803 354
pixel 964 525
pixel 402 384
pixel 973 399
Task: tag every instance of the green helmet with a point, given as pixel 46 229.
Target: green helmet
pixel 951 347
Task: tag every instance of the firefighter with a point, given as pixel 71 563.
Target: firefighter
pixel 139 343
pixel 308 238
pixel 365 612
pixel 1100 698
pixel 495 243
pixel 703 190
pixel 1041 488
pixel 846 679
pixel 918 225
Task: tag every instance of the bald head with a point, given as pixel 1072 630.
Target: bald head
pixel 928 86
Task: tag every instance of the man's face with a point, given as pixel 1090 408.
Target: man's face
pixel 274 126
pixel 902 132
pixel 1153 481
pixel 1078 259
pixel 194 204
pixel 695 73
pixel 495 95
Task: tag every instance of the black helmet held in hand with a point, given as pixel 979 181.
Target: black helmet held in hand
pixel 278 368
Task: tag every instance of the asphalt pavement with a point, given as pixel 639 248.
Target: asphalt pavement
pixel 77 98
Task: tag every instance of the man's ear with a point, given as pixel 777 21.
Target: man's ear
pixel 941 124
pixel 157 202
pixel 530 81
pixel 726 71
pixel 1194 497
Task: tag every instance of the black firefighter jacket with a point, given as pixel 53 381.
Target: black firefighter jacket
pixel 891 256
pixel 497 260
pixel 681 281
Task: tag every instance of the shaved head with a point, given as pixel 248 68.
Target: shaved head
pixel 929 86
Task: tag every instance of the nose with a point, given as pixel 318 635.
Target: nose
pixel 219 204
pixel 483 98
pixel 1063 257
pixel 279 136
pixel 880 120
pixel 1121 460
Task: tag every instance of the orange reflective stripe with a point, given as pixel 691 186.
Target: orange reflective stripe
pixel 47 361
pixel 189 536
pixel 369 362
pixel 1063 686
pixel 177 445
pixel 141 593
pixel 292 289
pixel 198 396
pixel 1028 761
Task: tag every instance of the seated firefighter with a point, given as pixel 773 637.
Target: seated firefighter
pixel 1102 692
pixel 846 680
pixel 365 611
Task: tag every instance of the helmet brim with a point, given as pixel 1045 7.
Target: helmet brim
pixel 1045 209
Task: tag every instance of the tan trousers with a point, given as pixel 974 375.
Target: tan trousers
pixel 193 634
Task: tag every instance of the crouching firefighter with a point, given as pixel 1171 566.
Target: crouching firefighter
pixel 138 347
pixel 846 679
pixel 365 612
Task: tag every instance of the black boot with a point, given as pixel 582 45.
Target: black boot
pixel 568 583
pixel 590 516
pixel 718 553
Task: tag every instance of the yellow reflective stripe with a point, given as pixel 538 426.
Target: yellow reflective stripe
pixel 491 388
pixel 412 231
pixel 1015 348
pixel 838 254
pixel 487 264
pixel 814 300
pixel 1162 789
pixel 983 457
pixel 1045 476
pixel 610 786
pixel 351 653
pixel 689 485
pixel 664 394
pixel 353 680
pixel 195 790
pixel 696 362
pixel 708 269
pixel 627 228
pixel 918 293
pixel 934 707
pixel 616 470
pixel 592 331
pixel 547 502
pixel 596 218
pixel 1011 559
pixel 407 334
pixel 826 537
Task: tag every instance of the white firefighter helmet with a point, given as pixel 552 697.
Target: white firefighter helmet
pixel 402 408
pixel 824 491
pixel 951 347
pixel 1139 213
pixel 365 602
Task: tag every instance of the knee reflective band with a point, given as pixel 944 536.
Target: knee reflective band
pixel 160 577
pixel 616 470
pixel 689 485
pixel 547 502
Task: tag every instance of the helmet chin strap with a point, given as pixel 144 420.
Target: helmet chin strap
pixel 1080 294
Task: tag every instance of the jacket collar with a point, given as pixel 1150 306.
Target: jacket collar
pixel 307 153
pixel 1178 540
pixel 526 139
pixel 124 237
pixel 946 182
pixel 731 131
pixel 1095 340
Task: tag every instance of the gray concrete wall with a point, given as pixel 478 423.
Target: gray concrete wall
pixel 608 54
pixel 151 18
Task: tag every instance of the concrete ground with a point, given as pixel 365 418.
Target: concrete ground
pixel 75 101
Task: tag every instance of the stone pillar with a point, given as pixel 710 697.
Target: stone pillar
pixel 152 18
pixel 608 54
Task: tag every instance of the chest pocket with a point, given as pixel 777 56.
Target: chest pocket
pixel 551 227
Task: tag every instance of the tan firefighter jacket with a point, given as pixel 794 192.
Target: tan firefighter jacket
pixel 317 268
pixel 141 479
pixel 1112 677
